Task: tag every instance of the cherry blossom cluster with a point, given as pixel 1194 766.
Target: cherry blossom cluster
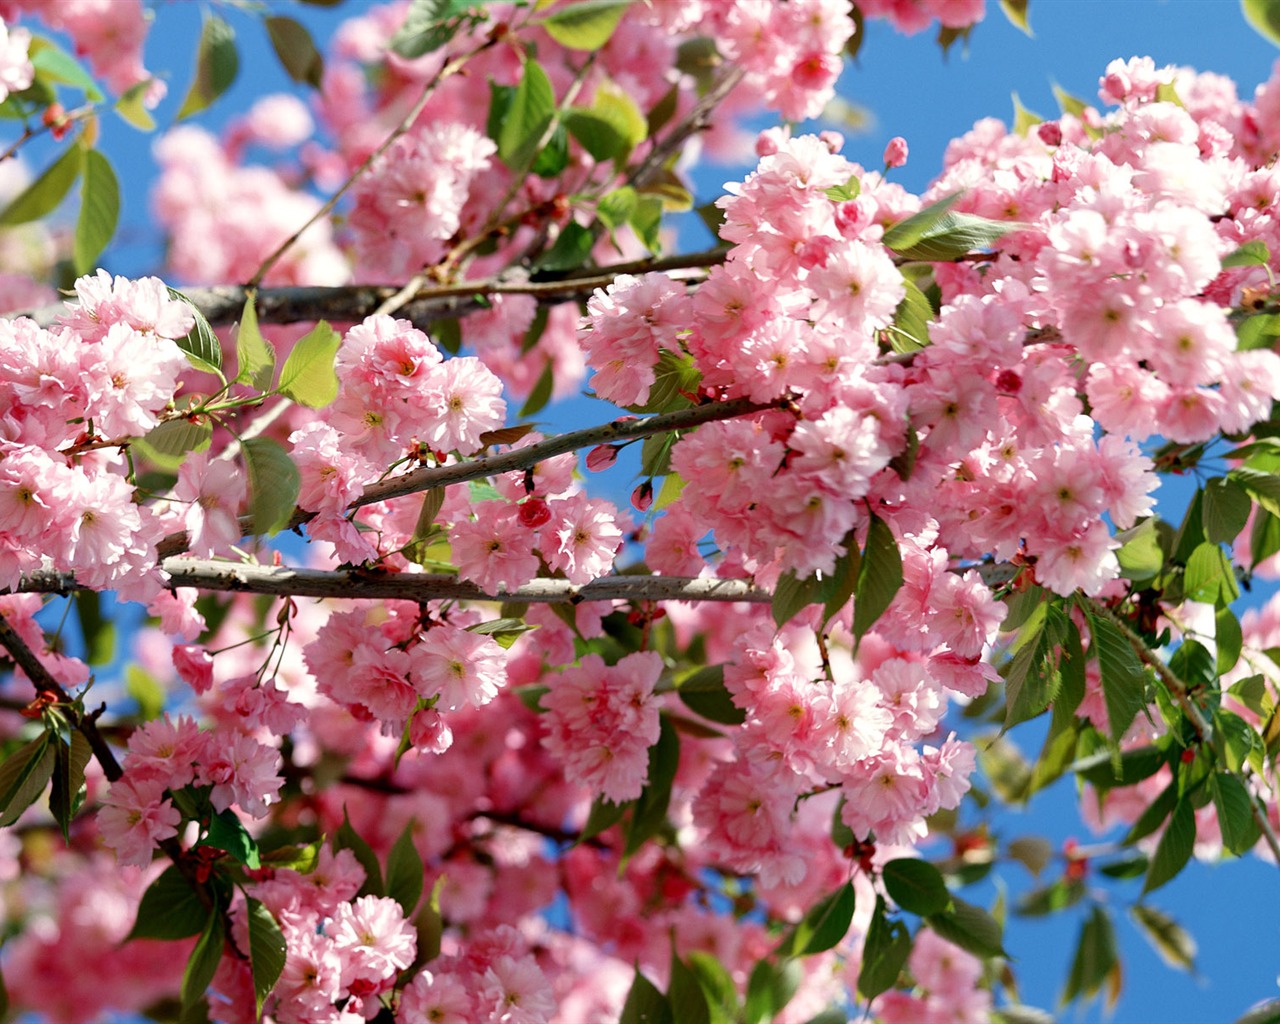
pixel 107 372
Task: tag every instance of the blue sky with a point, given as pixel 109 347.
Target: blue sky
pixel 911 90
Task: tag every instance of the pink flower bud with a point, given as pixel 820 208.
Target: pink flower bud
pixel 602 456
pixel 534 512
pixel 642 496
pixel 1050 133
pixel 895 154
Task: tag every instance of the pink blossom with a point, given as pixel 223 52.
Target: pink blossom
pixel 458 667
pixel 373 942
pixel 585 537
pixel 16 71
pixel 241 771
pixel 135 818
pixel 895 153
pixel 212 493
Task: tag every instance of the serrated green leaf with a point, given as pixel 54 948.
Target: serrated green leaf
pixel 266 950
pixel 769 989
pixel 405 872
pixel 1234 805
pixel 65 796
pixel 1226 510
pixel 99 211
pixel 504 632
pixel 533 107
pixel 1095 957
pixel 217 64
pixel 1154 814
pixel 704 692
pixel 428 25
pixel 168 443
pixel 884 953
pixel 1168 938
pixel 43 195
pixel 308 375
pixel 170 909
pixel 295 50
pixel 1264 17
pixel 200 344
pixel 302 859
pixel 645 1004
pixel 1123 677
pixel 53 64
pixel 1134 866
pixel 675 377
pixel 1210 576
pixel 615 208
pixel 586 25
pixel 1264 487
pixel 203 962
pixel 1140 555
pixel 24 775
pixel 1174 848
pixel 227 832
pixel 1228 639
pixel 647 221
pixel 347 838
pixel 879 577
pixel 274 482
pixel 541 393
pixel 255 358
pixel 969 927
pixel 916 886
pixel 650 812
pixel 791 596
pixel 824 926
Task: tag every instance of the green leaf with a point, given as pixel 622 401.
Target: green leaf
pixel 296 50
pixel 717 985
pixel 1174 848
pixel 1251 254
pixel 302 859
pixel 615 208
pixel 201 345
pixel 845 193
pixel 825 925
pixel 1240 831
pixel 571 250
pixel 66 797
pixel 132 107
pixel 1266 1013
pixel 227 832
pixel 688 1001
pixel 1106 772
pixel 1016 12
pixel 405 872
pixel 650 812
pixel 146 690
pixel 604 814
pixel 99 211
pixel 96 630
pixel 937 234
pixel 1133 866
pixel 842 583
pixel 308 376
pixel 879 577
pixel 1210 576
pixel 255 358
pixel 969 927
pixel 769 989
pixel 1264 537
pixel 1123 677
pixel 1228 638
pixel 1095 957
pixel 505 632
pixel 916 886
pixel 1264 487
pixel 884 953
pixel 586 25
pixel 43 195
pixel 429 924
pixel 1032 852
pixel 646 222
pixel 428 25
pixel 1225 511
pixel 910 329
pixel 914 229
pixel 1023 119
pixel 24 775
pixel 645 1004
pixel 170 909
pixel 704 692
pixel 541 393
pixel 203 963
pixel 266 950
pixel 274 483
pixel 347 838
pixel 169 443
pixel 674 377
pixel 791 596
pixel 1174 946
pixel 1049 899
pixel 1258 331
pixel 533 107
pixel 1069 104
pixel 1154 814
pixel 1264 16
pixel 552 158
pixel 53 64
pixel 217 65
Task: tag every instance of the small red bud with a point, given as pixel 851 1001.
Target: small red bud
pixel 1188 756
pixel 534 513
pixel 1050 133
pixel 602 456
